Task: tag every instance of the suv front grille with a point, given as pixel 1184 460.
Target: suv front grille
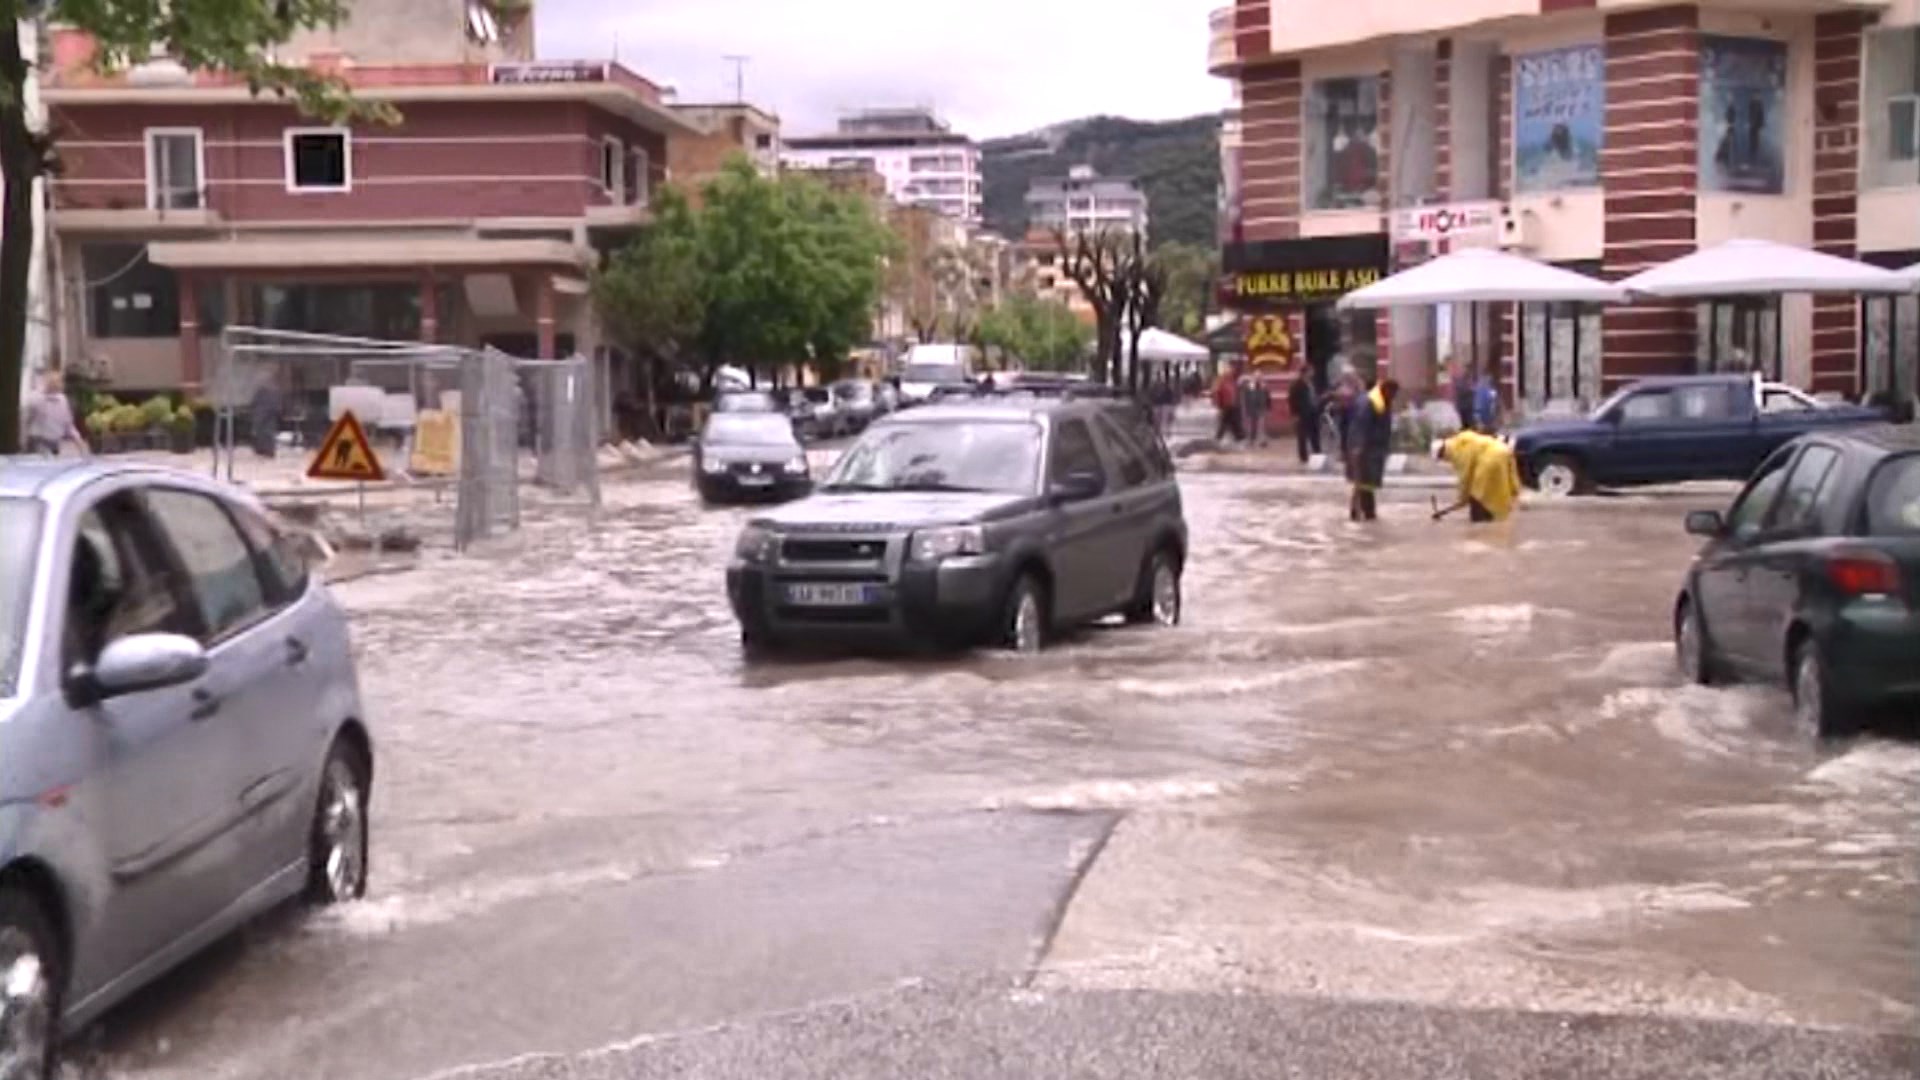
pixel 833 550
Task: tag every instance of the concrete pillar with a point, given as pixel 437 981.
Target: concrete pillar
pixel 543 318
pixel 429 309
pixel 190 371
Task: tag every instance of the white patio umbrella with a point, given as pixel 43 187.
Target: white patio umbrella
pixel 1481 275
pixel 1162 347
pixel 1912 274
pixel 1751 267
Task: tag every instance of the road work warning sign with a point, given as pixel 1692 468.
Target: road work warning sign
pixel 345 454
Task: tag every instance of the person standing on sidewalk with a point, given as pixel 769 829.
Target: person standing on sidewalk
pixel 1370 438
pixel 1486 405
pixel 1226 399
pixel 1304 405
pixel 49 422
pixel 1259 402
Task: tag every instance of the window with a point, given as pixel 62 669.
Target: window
pixel 225 584
pixel 763 141
pixel 1754 503
pixel 1704 403
pixel 176 167
pixel 1892 108
pixel 281 558
pixel 130 297
pixel 1073 452
pixel 1133 465
pixel 319 159
pixel 120 583
pixel 639 182
pixel 1799 503
pixel 613 167
pixel 1343 144
pixel 1893 498
pixel 1651 407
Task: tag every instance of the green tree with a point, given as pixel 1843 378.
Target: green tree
pixel 229 35
pixel 1192 271
pixel 1044 334
pixel 793 270
pixel 652 294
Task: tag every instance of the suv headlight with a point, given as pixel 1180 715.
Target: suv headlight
pixel 712 466
pixel 797 466
pixel 932 545
pixel 756 544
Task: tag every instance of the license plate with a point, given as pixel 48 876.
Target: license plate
pixel 756 481
pixel 817 594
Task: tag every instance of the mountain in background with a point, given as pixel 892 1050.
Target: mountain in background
pixel 1176 161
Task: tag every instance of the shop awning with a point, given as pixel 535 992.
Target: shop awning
pixel 1761 267
pixel 1162 347
pixel 1481 275
pixel 368 253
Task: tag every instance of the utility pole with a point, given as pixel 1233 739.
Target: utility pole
pixel 739 76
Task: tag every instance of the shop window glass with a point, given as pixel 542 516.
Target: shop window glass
pixel 1343 144
pixel 127 295
pixel 1892 113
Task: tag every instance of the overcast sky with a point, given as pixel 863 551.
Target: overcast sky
pixel 993 67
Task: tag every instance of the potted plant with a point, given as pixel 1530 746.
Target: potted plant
pixel 156 421
pixel 129 425
pixel 181 428
pixel 99 424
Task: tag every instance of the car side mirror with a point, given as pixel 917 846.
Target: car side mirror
pixel 1077 487
pixel 139 663
pixel 1706 523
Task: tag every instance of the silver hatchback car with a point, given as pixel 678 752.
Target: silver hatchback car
pixel 182 744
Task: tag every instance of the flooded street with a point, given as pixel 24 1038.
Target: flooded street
pixel 1419 766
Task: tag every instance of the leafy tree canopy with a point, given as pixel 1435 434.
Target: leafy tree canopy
pixel 1044 334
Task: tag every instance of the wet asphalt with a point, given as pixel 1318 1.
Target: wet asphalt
pixel 1409 800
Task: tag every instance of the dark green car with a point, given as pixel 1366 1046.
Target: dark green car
pixel 1813 578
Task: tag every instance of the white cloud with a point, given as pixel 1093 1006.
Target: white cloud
pixel 993 67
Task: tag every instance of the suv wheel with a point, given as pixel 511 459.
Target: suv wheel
pixel 1559 476
pixel 1024 625
pixel 1816 709
pixel 1157 598
pixel 30 983
pixel 1690 646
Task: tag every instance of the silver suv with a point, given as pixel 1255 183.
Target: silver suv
pixel 985 522
pixel 181 732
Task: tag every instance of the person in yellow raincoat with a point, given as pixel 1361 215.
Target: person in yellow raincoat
pixel 1489 477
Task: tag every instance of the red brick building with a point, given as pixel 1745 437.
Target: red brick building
pixel 185 204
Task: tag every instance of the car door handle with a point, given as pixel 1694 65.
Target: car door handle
pixel 297 652
pixel 205 704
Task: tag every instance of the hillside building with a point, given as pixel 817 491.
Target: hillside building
pixel 1085 201
pixel 923 161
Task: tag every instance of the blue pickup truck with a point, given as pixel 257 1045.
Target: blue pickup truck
pixel 1661 431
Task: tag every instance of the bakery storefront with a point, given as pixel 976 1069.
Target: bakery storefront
pixel 1300 281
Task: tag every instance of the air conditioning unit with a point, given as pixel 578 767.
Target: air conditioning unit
pixel 1516 230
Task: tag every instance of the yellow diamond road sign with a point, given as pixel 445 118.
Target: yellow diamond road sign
pixel 345 454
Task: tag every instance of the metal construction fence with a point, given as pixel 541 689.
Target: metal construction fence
pixel 483 425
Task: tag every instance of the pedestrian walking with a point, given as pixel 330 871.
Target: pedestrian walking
pixel 1226 399
pixel 1304 406
pixel 1166 405
pixel 1370 441
pixel 1489 478
pixel 1259 403
pixel 48 421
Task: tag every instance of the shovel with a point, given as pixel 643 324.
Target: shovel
pixel 1438 512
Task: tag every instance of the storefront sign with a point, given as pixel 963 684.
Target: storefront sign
pixel 1469 224
pixel 550 71
pixel 1268 343
pixel 1559 97
pixel 1283 273
pixel 1743 104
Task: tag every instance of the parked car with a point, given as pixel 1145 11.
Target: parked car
pixel 995 523
pixel 1659 431
pixel 1813 577
pixel 859 403
pixel 749 456
pixel 185 742
pixel 829 417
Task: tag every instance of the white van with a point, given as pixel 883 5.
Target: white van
pixel 930 366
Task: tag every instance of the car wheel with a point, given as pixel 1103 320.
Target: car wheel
pixel 31 980
pixel 1559 476
pixel 337 842
pixel 1816 709
pixel 1024 626
pixel 1157 599
pixel 1690 646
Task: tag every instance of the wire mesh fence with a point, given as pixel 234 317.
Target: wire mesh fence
pixel 459 432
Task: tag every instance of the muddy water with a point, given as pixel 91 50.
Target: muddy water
pixel 1413 760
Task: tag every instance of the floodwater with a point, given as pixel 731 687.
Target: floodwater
pixel 1415 761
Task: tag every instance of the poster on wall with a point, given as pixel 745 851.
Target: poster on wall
pixel 1743 103
pixel 1343 144
pixel 1559 102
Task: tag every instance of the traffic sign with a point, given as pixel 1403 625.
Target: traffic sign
pixel 345 454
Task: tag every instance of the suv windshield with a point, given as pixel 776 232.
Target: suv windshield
pixel 745 401
pixel 749 429
pixel 962 455
pixel 19 533
pixel 1893 498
